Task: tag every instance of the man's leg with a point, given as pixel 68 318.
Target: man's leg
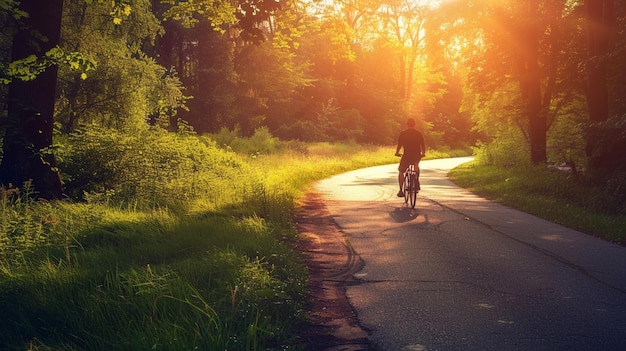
pixel 401 169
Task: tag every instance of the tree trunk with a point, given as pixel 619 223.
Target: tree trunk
pixel 537 126
pixel 530 86
pixel 28 136
pixel 600 27
pixel 600 21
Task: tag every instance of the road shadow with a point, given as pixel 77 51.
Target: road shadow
pixel 372 181
pixel 403 214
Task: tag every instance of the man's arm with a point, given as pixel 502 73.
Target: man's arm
pixel 398 147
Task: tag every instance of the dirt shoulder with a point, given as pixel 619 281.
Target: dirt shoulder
pixel 333 324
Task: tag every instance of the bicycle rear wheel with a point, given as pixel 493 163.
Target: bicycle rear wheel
pixel 413 189
pixel 406 187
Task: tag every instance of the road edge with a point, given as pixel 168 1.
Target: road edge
pixel 332 323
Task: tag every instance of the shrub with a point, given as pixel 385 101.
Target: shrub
pixel 566 142
pixel 261 142
pixel 607 161
pixel 607 140
pixel 148 168
pixel 507 151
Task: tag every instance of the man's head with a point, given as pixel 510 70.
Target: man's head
pixel 410 123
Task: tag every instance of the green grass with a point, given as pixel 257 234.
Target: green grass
pixel 150 281
pixel 550 194
pixel 192 254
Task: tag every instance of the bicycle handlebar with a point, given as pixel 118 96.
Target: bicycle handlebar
pixel 421 155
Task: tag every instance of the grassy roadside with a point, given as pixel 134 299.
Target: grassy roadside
pixel 190 253
pixel 546 193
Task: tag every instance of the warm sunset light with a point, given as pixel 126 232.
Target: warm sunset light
pixel 250 175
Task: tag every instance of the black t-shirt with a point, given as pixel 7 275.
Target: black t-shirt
pixel 412 141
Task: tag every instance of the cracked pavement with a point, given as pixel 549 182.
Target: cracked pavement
pixel 462 273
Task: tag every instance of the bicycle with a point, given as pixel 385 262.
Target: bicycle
pixel 411 186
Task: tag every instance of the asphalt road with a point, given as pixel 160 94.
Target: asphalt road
pixel 461 273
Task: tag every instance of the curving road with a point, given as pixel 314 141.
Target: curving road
pixel 461 273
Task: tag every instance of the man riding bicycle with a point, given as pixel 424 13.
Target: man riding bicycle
pixel 413 143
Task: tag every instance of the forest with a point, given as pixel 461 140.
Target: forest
pixel 540 81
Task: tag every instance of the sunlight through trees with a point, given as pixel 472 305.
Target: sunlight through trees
pixel 470 71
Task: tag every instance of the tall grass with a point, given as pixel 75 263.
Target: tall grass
pixel 129 280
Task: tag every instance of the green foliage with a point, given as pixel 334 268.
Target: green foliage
pixel 11 9
pixel 566 143
pixel 331 123
pixel 607 162
pixel 226 138
pixel 608 142
pixel 318 77
pixel 510 149
pixel 603 172
pixel 30 67
pixel 262 142
pixel 149 168
pixel 211 79
pixel 267 78
pixel 24 224
pixel 218 12
pixel 127 86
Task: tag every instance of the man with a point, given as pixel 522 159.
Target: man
pixel 413 143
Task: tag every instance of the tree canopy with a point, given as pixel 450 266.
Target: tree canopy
pixel 532 74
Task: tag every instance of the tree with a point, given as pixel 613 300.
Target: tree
pixel 443 45
pixel 127 84
pixel 600 31
pixel 606 101
pixel 529 78
pixel 600 16
pixel 521 43
pixel 28 135
pixel 201 40
pixel 27 141
pixel 403 23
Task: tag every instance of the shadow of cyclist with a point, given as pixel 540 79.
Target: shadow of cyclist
pixel 403 214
